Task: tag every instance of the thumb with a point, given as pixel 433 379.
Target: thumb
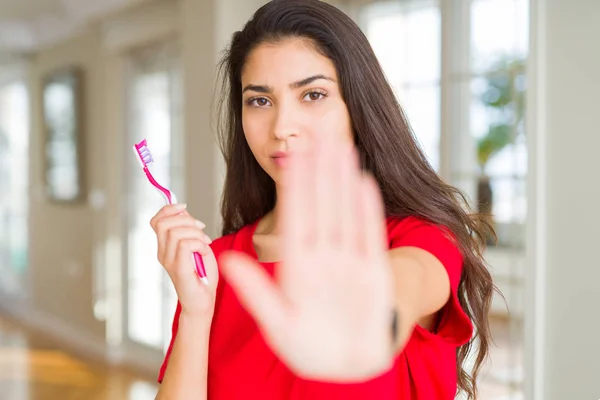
pixel 258 293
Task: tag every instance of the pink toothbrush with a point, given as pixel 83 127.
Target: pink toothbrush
pixel 144 156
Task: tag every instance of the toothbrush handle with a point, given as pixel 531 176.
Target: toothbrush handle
pixel 200 270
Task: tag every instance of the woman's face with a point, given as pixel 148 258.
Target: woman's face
pixel 291 97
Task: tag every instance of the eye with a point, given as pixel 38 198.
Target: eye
pixel 258 102
pixel 314 95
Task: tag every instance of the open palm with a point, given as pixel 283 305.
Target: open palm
pixel 327 313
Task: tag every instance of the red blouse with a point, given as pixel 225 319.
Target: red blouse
pixel 241 365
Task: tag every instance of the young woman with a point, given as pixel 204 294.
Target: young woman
pixel 350 270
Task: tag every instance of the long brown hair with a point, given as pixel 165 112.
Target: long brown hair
pixel 387 147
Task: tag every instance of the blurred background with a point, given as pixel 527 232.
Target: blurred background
pixel 502 96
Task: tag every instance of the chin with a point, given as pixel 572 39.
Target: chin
pixel 277 178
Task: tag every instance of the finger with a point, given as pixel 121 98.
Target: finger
pixel 168 221
pixel 167 211
pixel 349 203
pixel 164 225
pixel 297 205
pixel 258 293
pixel 327 193
pixel 374 236
pixel 175 235
pixel 183 266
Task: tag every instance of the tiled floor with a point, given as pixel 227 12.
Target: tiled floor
pixel 32 368
pixel 502 378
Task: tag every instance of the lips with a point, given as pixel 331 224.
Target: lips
pixel 279 158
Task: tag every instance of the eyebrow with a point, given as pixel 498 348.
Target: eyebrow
pixel 295 85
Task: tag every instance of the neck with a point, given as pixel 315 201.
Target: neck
pixel 269 224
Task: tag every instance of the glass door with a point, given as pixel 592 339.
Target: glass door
pixel 154 114
pixel 14 188
pixel 458 69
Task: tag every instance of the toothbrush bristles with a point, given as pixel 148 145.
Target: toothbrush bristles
pixel 144 153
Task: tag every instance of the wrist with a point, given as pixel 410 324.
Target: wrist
pixel 203 308
pixel 394 329
pixel 402 324
pixel 198 322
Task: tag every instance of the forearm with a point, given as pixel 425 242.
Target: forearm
pixel 422 288
pixel 186 374
pixel 408 300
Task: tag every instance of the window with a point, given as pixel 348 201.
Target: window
pixel 14 186
pixel 487 144
pixel 412 67
pixel 458 70
pixel 154 114
pixel 498 81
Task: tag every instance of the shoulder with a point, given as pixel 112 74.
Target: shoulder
pixel 436 239
pixel 454 325
pixel 412 227
pixel 234 241
pixel 223 243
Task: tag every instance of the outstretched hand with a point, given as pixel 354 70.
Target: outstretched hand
pixel 327 314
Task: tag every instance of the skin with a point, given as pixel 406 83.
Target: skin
pixel 334 322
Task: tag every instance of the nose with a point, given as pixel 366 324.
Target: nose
pixel 286 124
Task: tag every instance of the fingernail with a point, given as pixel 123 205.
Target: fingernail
pixel 180 206
pixel 207 239
pixel 200 224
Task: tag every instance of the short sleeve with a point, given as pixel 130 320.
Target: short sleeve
pixel 454 325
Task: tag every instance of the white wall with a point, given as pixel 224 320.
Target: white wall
pixel 76 252
pixel 206 28
pixel 564 241
pixel 61 236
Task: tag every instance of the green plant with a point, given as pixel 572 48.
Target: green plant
pixel 504 97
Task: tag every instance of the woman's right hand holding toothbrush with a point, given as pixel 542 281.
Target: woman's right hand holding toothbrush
pixel 179 236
